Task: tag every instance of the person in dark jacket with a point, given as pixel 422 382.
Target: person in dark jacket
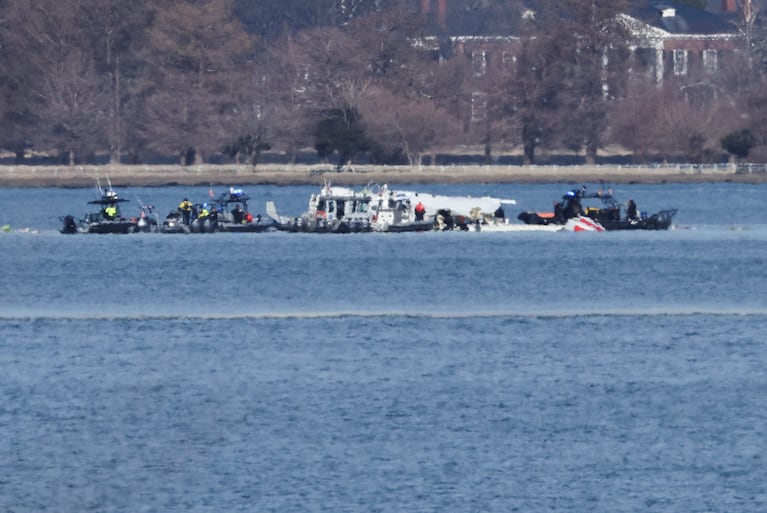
pixel 631 211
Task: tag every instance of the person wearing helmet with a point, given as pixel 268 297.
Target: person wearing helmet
pixel 185 207
pixel 572 205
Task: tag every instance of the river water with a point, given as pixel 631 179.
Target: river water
pixel 425 372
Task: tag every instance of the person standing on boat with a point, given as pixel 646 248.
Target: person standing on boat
pixel 420 210
pixel 110 212
pixel 185 207
pixel 572 206
pixel 631 211
pixel 237 215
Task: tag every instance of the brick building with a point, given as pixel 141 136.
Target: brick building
pixel 670 38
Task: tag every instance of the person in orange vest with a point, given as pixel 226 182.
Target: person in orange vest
pixel 420 210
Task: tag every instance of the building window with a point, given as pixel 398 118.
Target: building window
pixel 680 62
pixel 508 59
pixel 478 106
pixel 710 60
pixel 479 62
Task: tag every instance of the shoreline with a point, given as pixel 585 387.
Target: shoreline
pixel 209 174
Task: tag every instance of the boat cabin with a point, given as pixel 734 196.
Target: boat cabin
pixel 339 204
pixel 109 210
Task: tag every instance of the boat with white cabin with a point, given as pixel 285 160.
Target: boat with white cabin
pixel 333 210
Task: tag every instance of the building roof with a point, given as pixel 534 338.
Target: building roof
pixel 677 18
pixel 503 18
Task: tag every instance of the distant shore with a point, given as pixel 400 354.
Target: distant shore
pixel 209 174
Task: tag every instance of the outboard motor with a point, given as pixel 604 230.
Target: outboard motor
pixel 69 225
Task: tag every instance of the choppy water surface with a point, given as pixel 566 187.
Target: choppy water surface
pixel 436 372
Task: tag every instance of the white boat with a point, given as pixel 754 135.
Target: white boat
pixel 457 205
pixel 448 212
pixel 378 208
pixel 392 211
pixel 332 210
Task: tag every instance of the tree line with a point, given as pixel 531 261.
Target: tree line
pixel 355 80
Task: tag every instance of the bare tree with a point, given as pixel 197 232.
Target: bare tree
pixel 194 50
pixel 535 97
pixel 273 20
pixel 661 121
pixel 322 75
pixel 58 98
pixel 118 32
pixel 413 127
pixel 302 75
pixel 410 98
pixel 251 119
pixel 595 39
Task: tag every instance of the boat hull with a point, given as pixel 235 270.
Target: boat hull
pixel 109 227
pixel 416 226
pixel 300 225
pixel 658 221
pixel 515 227
pixel 245 228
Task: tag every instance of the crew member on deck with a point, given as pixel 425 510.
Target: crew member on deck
pixel 110 212
pixel 572 204
pixel 631 211
pixel 185 207
pixel 237 215
pixel 420 210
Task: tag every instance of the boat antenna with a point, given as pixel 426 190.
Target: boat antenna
pixel 149 208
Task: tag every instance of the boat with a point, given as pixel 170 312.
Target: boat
pixel 233 214
pixel 437 211
pixel 332 210
pixel 607 215
pixel 228 212
pixel 462 212
pixel 109 218
pixel 174 223
pixel 397 212
pixel 380 209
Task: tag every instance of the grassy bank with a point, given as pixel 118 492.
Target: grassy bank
pixel 159 175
